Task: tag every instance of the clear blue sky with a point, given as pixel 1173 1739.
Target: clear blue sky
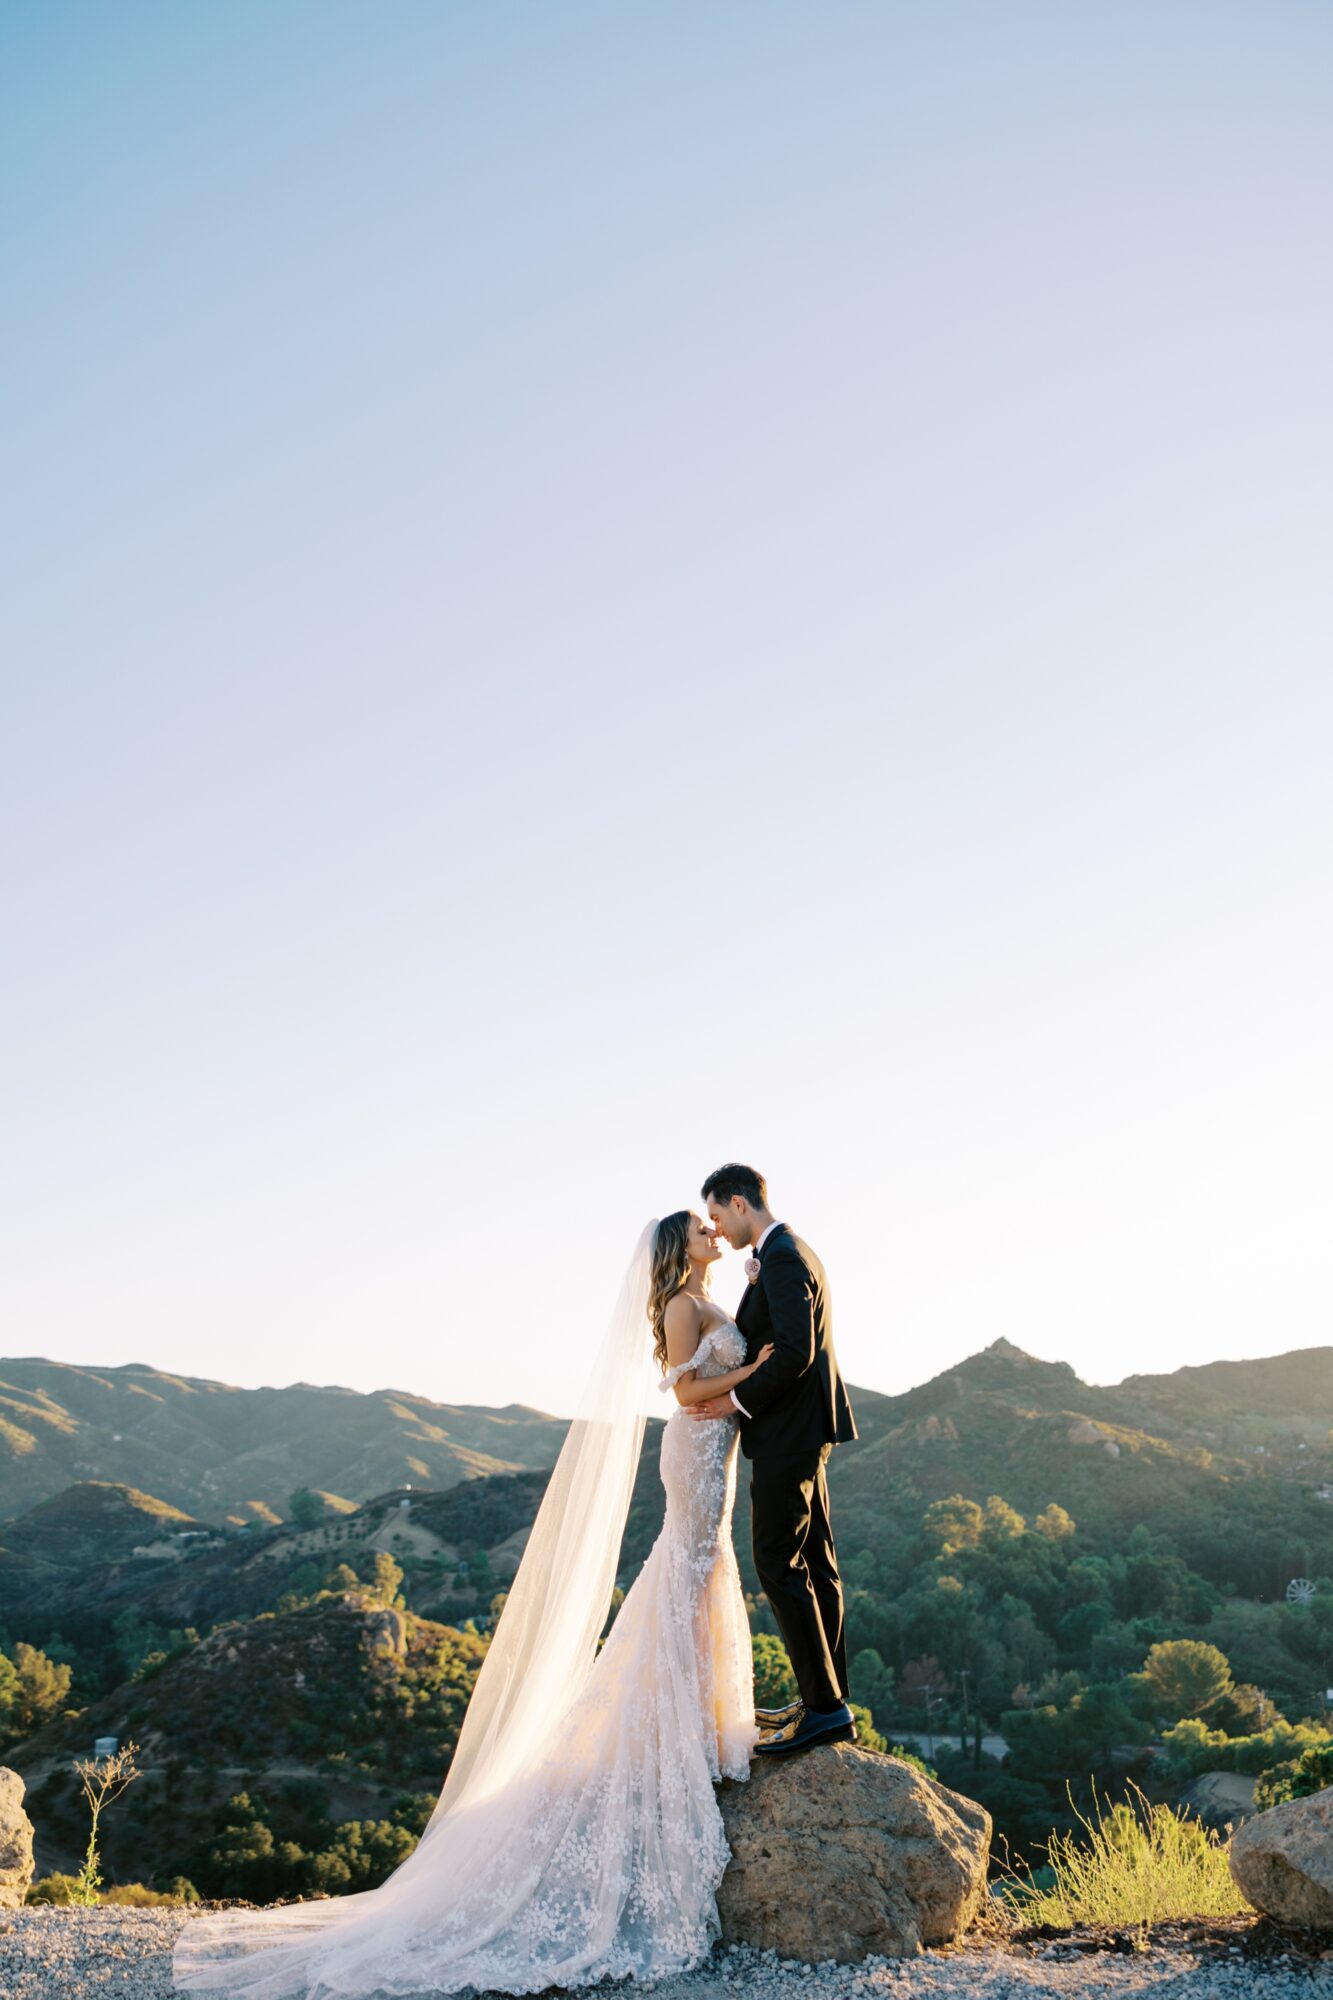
pixel 592 589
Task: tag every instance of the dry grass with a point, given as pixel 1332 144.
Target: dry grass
pixel 1135 1864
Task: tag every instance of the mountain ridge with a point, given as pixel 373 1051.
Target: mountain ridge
pixel 225 1452
pixel 221 1452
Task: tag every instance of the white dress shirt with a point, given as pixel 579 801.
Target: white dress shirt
pixel 754 1253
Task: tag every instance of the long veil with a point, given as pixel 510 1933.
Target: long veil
pixel 540 1656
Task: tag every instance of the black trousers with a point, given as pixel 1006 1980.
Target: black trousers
pixel 798 1568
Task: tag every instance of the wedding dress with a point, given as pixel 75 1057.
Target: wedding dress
pixel 578 1836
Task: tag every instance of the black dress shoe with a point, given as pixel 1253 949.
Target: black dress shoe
pixel 838 1726
pixel 777 1718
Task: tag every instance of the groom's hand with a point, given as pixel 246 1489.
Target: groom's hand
pixel 716 1406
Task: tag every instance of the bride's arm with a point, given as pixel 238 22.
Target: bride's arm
pixel 702 1388
pixel 681 1326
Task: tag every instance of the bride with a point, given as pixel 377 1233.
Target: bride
pixel 577 1836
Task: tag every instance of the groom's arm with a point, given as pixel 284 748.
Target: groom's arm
pixel 790 1295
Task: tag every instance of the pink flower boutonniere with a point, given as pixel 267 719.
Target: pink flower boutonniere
pixel 752 1269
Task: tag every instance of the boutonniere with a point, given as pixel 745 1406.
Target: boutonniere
pixel 752 1268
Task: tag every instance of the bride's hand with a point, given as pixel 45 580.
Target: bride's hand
pixel 761 1357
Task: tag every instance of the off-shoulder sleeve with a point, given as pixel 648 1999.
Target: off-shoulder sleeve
pixel 673 1375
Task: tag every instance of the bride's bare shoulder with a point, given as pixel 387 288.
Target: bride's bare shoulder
pixel 682 1313
pixel 682 1322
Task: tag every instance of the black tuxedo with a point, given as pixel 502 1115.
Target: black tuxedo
pixel 796 1409
pixel 796 1401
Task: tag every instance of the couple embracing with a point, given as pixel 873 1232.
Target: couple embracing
pixel 578 1836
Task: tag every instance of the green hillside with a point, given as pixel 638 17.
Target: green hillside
pixel 1246 1514
pixel 340 1711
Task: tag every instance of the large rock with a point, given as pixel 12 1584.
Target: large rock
pixel 1221 1799
pixel 839 1852
pixel 15 1842
pixel 1282 1860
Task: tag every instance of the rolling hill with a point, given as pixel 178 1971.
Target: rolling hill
pixel 225 1453
pixel 1234 1458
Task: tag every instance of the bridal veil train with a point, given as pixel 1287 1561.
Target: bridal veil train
pixel 577 1836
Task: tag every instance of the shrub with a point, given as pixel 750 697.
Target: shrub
pixel 103 1780
pixel 1138 1864
pixel 1297 1778
pixel 902 1753
pixel 53 1888
pixel 138 1896
pixel 867 1735
pixel 1191 1747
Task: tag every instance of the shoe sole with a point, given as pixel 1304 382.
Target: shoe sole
pixel 844 1733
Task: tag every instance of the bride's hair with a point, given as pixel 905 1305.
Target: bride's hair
pixel 671 1267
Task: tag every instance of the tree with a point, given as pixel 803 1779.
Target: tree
pixel 305 1508
pixel 360 1855
pixel 1187 1676
pixel 1054 1523
pixel 923 1682
pixel 1243 1710
pixel 872 1681
pixel 383 1587
pixel 244 1858
pixel 1055 1743
pixel 1003 1522
pixel 952 1524
pixel 33 1688
pixel 774 1681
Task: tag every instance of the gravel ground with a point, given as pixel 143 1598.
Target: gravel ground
pixel 50 1953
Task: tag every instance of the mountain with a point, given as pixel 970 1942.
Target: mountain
pixel 1242 1399
pixel 226 1453
pixel 216 1642
pixel 236 1455
pixel 1233 1459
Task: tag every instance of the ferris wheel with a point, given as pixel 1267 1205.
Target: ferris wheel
pixel 1300 1590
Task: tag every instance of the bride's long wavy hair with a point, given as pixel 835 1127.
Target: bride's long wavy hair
pixel 671 1267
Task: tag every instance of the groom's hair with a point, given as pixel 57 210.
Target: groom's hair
pixel 736 1179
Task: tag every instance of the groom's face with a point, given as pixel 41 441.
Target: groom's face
pixel 732 1219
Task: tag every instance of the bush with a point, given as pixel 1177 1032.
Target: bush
pixel 1139 1864
pixel 54 1888
pixel 138 1896
pixel 1191 1747
pixel 867 1735
pixel 903 1754
pixel 1297 1778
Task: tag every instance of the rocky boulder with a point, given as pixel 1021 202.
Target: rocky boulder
pixel 1221 1799
pixel 1282 1860
pixel 840 1853
pixel 15 1842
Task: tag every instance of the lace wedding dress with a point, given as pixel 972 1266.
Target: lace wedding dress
pixel 600 1856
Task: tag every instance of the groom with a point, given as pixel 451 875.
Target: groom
pixel 792 1412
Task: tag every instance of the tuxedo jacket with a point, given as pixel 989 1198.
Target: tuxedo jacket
pixel 796 1401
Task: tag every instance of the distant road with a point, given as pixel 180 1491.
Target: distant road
pixel 994 1746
